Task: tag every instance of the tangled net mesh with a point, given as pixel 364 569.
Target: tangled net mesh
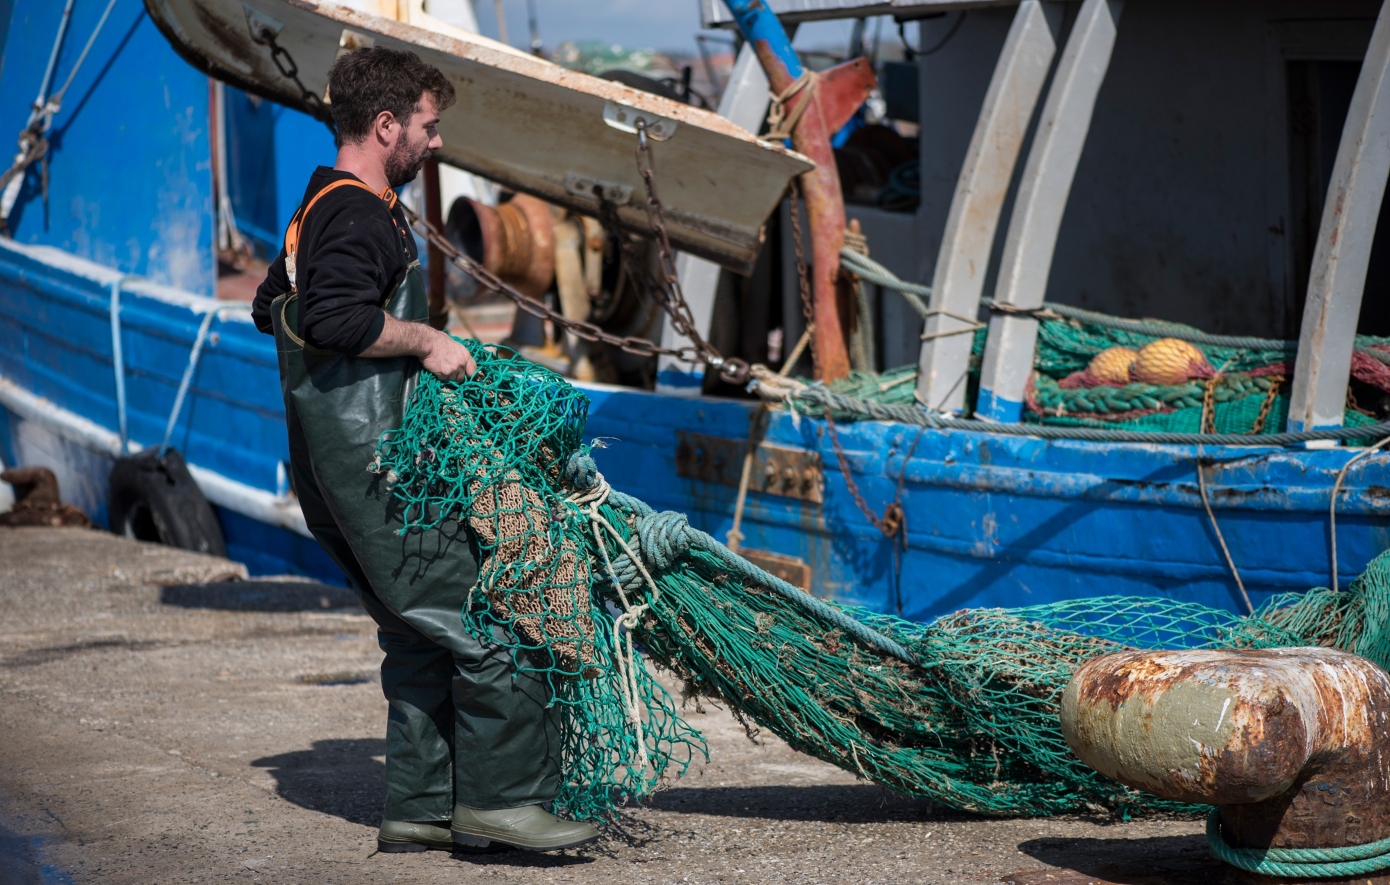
pixel 588 582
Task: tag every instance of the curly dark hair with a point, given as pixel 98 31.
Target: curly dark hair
pixel 365 82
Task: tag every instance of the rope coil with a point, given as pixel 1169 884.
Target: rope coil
pixel 1297 863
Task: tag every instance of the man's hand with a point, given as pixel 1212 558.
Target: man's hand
pixel 439 353
pixel 449 359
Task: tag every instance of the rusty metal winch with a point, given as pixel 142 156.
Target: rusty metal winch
pixel 1291 745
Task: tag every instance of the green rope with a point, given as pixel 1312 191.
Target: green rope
pixel 814 400
pixel 1135 397
pixel 1297 863
pixel 914 293
pixel 670 530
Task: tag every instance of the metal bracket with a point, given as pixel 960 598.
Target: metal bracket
pixel 792 569
pixel 625 119
pixel 263 28
pixel 777 470
pixel 598 191
pixel 350 40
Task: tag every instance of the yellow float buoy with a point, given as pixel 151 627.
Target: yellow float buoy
pixel 1112 364
pixel 1168 361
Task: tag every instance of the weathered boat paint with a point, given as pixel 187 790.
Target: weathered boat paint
pixel 129 183
pixel 997 520
pixel 58 405
pixel 718 181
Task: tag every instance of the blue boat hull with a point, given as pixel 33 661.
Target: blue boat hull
pixel 995 520
pixel 56 347
pixel 991 519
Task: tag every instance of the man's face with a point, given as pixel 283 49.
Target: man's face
pixel 417 139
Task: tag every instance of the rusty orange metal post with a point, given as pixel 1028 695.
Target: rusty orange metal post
pixel 820 105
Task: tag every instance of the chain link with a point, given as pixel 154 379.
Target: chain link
pixel 285 63
pixel 802 277
pixel 731 369
pixel 1275 381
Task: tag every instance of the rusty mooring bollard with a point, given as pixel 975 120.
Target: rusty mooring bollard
pixel 1292 745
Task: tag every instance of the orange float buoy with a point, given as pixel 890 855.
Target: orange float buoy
pixel 1168 361
pixel 1112 364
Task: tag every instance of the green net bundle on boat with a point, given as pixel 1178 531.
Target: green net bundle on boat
pixel 1245 389
pixel 1248 379
pixel 590 584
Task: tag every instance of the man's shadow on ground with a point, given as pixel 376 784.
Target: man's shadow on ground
pixel 342 777
pixel 262 596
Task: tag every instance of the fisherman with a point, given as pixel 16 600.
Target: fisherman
pixel 472 749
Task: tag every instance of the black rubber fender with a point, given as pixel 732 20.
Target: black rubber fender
pixel 155 499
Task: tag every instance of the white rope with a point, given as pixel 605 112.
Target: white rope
pixel 1220 538
pixel 624 655
pixel 1332 505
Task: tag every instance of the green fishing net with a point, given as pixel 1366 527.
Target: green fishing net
pixel 491 452
pixel 1242 402
pixel 591 585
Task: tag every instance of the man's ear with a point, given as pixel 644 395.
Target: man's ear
pixel 386 127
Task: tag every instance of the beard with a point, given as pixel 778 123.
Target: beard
pixel 406 161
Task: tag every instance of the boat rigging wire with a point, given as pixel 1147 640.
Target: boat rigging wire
pixel 33 140
pixel 912 53
pixel 1332 505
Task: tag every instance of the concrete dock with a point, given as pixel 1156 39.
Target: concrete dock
pixel 165 720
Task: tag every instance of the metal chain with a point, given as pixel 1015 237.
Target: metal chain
pixel 1268 404
pixel 731 369
pixel 892 520
pixel 802 277
pixel 587 331
pixel 285 63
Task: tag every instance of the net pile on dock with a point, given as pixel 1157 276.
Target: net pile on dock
pixel 587 581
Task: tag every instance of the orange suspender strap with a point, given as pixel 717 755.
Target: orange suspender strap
pixel 387 196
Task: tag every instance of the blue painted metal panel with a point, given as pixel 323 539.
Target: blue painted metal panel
pixel 130 181
pixel 267 550
pixel 251 181
pixel 55 341
pixel 1006 521
pixel 6 13
pixel 302 144
pixel 271 152
pixel 990 407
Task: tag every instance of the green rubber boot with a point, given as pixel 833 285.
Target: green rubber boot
pixel 398 837
pixel 530 827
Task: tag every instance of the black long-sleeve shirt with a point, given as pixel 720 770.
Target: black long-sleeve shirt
pixel 351 258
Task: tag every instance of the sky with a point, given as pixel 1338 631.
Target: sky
pixel 649 24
